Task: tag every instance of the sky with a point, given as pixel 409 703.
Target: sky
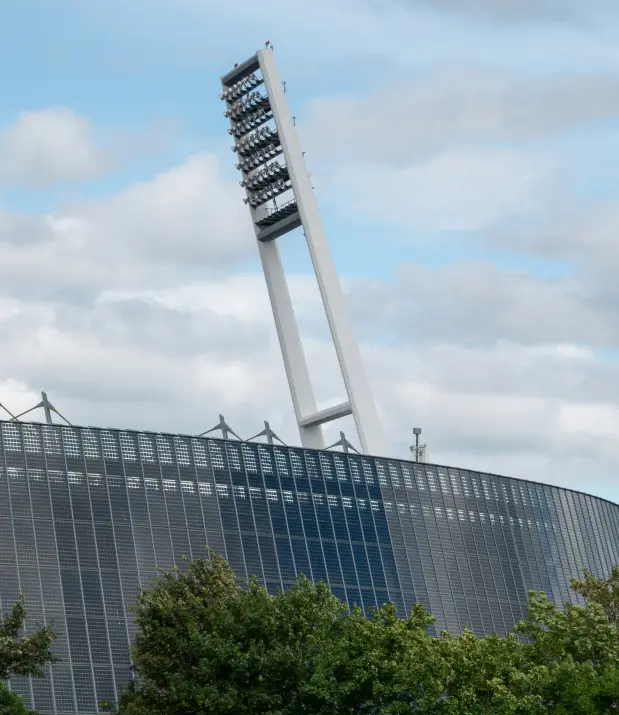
pixel 464 155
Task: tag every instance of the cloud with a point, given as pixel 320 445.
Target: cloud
pixel 578 229
pixel 16 397
pixel 476 303
pixel 187 215
pixel 187 218
pixel 51 145
pixel 461 190
pixel 437 110
pixel 54 145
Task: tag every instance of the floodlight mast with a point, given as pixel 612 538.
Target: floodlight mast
pixel 255 143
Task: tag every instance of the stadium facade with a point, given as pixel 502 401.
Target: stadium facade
pixel 88 514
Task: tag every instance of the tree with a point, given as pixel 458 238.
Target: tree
pixel 571 656
pixel 382 664
pixel 604 591
pixel 24 655
pixel 484 675
pixel 206 645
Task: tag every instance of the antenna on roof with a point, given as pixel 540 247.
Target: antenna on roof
pixel 269 434
pixel 420 451
pixel 344 444
pixel 224 427
pixel 48 408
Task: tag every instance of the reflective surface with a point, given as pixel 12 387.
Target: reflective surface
pixel 87 514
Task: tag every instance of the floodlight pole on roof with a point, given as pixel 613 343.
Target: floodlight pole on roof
pixel 270 224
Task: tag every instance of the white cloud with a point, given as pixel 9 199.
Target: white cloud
pixel 590 420
pixel 16 397
pixel 187 218
pixel 50 145
pixel 462 190
pixel 54 145
pixel 475 302
pixel 189 214
pixel 403 118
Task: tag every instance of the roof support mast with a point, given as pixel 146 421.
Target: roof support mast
pixel 281 198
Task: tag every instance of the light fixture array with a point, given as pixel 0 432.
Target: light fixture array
pixel 248 110
pixel 258 140
pixel 240 88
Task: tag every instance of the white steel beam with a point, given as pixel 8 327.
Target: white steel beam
pixel 357 386
pixel 327 415
pixel 299 381
pixel 248 110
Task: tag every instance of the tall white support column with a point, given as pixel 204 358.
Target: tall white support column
pixel 346 346
pixel 297 372
pixel 248 110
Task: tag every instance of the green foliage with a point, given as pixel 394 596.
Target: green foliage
pixel 25 655
pixel 11 703
pixel 207 646
pixel 602 591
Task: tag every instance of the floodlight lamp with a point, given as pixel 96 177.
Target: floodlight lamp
pixel 268 192
pixel 254 108
pixel 259 156
pixel 238 89
pixel 248 82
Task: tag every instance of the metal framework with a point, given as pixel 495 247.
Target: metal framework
pixel 280 199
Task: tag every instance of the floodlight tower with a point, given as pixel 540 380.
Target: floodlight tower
pixel 280 198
